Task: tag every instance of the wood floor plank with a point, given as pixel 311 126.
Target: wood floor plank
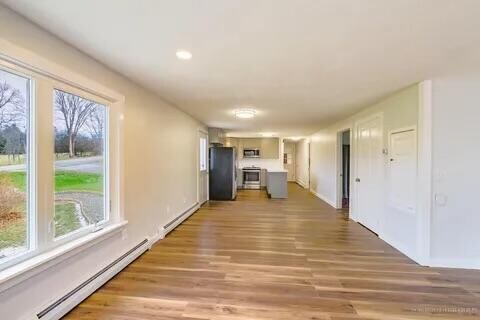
pixel 266 259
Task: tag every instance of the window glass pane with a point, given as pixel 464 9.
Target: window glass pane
pixel 80 127
pixel 203 154
pixel 14 142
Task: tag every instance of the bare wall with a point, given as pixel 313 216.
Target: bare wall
pixel 455 234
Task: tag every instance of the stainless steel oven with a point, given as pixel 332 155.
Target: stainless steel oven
pixel 251 153
pixel 251 178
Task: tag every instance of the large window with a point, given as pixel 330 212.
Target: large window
pixel 16 230
pixel 79 162
pixel 54 180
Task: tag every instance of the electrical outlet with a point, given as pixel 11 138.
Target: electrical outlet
pixel 124 234
pixel 184 199
pixel 168 209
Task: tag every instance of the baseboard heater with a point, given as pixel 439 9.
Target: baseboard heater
pixel 179 219
pixel 70 294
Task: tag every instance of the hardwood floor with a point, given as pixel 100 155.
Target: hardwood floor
pixel 258 258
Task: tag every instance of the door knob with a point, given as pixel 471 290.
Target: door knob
pixel 357 180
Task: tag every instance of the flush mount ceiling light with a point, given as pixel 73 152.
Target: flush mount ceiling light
pixel 294 138
pixel 184 55
pixel 245 113
pixel 267 134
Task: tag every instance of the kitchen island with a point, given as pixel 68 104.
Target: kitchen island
pixel 277 187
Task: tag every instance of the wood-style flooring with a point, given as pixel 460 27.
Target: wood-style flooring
pixel 258 258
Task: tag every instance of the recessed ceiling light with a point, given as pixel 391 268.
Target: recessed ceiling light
pixel 184 55
pixel 245 113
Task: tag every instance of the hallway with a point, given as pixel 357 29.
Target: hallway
pixel 258 258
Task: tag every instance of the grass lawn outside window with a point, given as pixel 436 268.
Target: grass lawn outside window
pixel 67 217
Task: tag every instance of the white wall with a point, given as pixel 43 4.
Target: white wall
pixel 399 110
pixel 160 150
pixel 455 225
pixel 301 162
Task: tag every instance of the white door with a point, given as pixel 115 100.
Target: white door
pixel 203 168
pixel 402 170
pixel 369 173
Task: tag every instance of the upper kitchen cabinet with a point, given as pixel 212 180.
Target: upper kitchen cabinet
pixel 268 146
pixel 231 142
pixel 216 136
pixel 251 143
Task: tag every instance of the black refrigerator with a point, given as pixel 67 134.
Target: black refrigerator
pixel 222 173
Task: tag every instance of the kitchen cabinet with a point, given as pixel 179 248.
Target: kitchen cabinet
pixel 239 178
pixel 231 142
pixel 263 178
pixel 277 186
pixel 268 146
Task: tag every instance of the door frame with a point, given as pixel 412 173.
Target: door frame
pixel 339 167
pixel 309 161
pixel 354 158
pixel 199 135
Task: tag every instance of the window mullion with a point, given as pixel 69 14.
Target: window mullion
pixel 45 165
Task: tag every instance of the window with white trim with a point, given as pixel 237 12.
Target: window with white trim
pixel 54 179
pixel 79 133
pixel 203 154
pixel 17 217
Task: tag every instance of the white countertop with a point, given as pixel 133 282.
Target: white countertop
pixel 268 170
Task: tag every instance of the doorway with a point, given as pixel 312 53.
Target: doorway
pixel 343 165
pixel 289 159
pixel 202 167
pixel 369 172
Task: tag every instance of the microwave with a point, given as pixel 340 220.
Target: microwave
pixel 251 153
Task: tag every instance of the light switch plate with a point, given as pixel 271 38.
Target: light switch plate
pixel 441 199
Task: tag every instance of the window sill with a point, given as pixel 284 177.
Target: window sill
pixel 28 268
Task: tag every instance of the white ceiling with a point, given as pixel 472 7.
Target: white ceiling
pixel 300 63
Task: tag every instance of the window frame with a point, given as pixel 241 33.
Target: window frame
pixel 41 243
pixel 31 248
pixel 203 154
pixel 83 231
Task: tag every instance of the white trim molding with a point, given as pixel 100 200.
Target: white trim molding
pixel 29 268
pixel 301 183
pixel 400 247
pixel 324 199
pixel 454 263
pixel 424 187
pixel 63 304
pixel 165 229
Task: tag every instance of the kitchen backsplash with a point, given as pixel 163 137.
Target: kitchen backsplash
pixel 272 164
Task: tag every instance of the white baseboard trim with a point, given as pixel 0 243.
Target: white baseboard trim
pixel 71 302
pixel 473 264
pixel 325 199
pixel 402 248
pixel 177 221
pixel 65 306
pixel 301 183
